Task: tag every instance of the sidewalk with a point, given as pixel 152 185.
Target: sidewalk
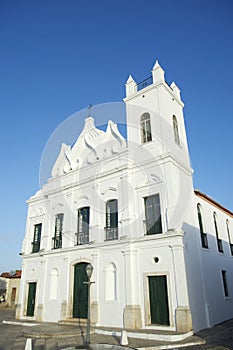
pixel 51 336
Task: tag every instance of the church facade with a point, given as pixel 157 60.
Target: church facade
pixel 162 253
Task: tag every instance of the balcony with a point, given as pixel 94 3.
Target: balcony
pixel 152 227
pixel 57 242
pixel 143 84
pixel 82 237
pixel 35 246
pixel 111 233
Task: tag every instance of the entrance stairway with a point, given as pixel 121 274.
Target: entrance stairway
pixel 149 333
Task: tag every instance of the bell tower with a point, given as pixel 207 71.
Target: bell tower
pixel 154 115
pixel 157 141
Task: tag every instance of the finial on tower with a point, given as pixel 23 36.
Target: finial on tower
pixel 175 89
pixel 157 73
pixel 130 86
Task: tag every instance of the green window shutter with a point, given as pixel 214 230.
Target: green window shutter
pixel 36 238
pixel 153 214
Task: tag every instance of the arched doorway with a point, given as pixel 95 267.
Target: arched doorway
pixel 80 292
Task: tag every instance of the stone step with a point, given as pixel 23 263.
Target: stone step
pixel 149 333
pixel 75 322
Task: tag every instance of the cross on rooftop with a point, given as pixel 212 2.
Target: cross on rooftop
pixel 89 109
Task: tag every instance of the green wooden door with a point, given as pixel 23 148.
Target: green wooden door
pixel 31 299
pixel 158 300
pixel 80 297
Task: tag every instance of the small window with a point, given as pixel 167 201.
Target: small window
pixel 153 222
pixel 146 135
pixel 225 284
pixel 176 130
pixel 57 239
pixel 111 228
pixel 204 240
pixel 83 225
pixel 219 241
pixel 229 236
pixel 36 238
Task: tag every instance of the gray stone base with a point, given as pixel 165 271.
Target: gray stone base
pixel 39 314
pixel 64 310
pixel 18 311
pixel 183 319
pixel 132 317
pixel 94 312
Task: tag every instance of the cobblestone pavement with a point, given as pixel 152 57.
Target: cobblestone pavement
pixel 51 336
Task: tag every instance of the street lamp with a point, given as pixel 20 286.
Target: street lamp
pixel 89 271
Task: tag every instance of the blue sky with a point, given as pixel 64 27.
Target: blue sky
pixel 59 56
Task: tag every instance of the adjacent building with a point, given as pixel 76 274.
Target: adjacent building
pixel 9 288
pixel 162 253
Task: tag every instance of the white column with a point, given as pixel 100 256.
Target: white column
pixel 183 314
pixel 132 312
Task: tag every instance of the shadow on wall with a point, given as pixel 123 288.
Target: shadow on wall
pixel 209 269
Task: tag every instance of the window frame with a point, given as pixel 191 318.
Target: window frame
pixel 176 130
pixel 150 222
pixel 58 231
pixel 225 283
pixel 204 238
pixel 145 127
pixel 83 234
pixel 111 219
pixel 219 241
pixel 229 236
pixel 36 238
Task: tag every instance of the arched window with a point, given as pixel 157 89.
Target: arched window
pixel 53 284
pixel 176 130
pixel 111 219
pixel 110 282
pixel 219 241
pixel 204 240
pixel 229 236
pixel 145 125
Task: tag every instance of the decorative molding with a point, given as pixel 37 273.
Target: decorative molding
pixel 58 205
pixel 37 212
pixel 92 145
pixel 110 188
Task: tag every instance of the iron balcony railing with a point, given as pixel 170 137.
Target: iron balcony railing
pixel 111 233
pixel 82 237
pixel 36 246
pixel 146 82
pixel 152 226
pixel 57 242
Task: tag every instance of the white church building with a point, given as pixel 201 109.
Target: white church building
pixel 162 253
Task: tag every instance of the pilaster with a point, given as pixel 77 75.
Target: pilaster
pixel 132 312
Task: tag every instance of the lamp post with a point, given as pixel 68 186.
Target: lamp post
pixel 89 271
